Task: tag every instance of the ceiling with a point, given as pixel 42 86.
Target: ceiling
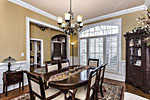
pixel 87 8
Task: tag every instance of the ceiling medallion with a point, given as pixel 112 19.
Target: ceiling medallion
pixel 68 26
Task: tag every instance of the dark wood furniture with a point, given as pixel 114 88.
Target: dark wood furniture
pixel 59 47
pixel 64 63
pixel 93 62
pixel 37 89
pixel 89 91
pixel 101 79
pixel 73 82
pixel 11 78
pixel 52 66
pixel 138 60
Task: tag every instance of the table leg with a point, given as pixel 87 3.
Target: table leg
pixel 3 87
pixel 73 93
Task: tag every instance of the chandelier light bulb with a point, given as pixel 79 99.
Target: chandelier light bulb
pixel 67 16
pixel 69 25
pixel 63 25
pixel 59 20
pixel 79 18
pixel 81 24
pixel 72 25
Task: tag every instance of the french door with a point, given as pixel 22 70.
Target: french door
pixel 104 48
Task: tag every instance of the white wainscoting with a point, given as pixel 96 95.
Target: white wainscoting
pixel 120 76
pixel 19 65
pixel 113 76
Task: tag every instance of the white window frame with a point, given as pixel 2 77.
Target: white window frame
pixel 117 22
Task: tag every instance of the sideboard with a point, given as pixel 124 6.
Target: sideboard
pixel 19 65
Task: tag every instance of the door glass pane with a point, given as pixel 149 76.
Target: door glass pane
pixel 83 52
pixel 112 52
pixel 96 49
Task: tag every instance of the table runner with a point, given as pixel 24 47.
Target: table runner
pixel 66 74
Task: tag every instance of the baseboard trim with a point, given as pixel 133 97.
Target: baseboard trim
pixel 116 77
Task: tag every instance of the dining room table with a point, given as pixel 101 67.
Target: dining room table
pixel 70 79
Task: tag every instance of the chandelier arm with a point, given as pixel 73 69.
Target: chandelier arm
pixel 69 27
pixel 70 6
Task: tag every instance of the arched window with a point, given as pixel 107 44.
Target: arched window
pixel 102 41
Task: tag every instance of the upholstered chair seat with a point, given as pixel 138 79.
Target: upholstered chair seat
pixel 88 91
pixel 38 91
pixel 82 93
pixel 52 91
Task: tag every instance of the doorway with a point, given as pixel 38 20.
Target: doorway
pixel 36 52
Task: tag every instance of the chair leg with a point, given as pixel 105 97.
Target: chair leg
pixel 22 85
pixel 4 87
pixel 6 91
pixel 101 91
pixel 65 92
pixel 19 85
pixel 73 94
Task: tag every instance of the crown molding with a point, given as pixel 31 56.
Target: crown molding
pixel 126 11
pixel 32 8
pixel 147 3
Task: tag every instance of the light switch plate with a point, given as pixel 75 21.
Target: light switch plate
pixel 22 54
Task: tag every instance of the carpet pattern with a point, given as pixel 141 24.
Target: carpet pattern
pixel 111 92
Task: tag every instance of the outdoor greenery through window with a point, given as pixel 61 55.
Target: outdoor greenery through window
pixel 102 41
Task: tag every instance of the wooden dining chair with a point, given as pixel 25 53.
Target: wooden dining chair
pixel 101 80
pixel 87 92
pixel 38 92
pixel 64 63
pixel 93 62
pixel 52 66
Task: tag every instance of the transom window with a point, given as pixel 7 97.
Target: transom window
pixel 102 41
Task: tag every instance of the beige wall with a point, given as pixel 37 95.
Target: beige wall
pixel 46 37
pixel 13 29
pixel 128 23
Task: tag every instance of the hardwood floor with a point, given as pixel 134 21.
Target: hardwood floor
pixel 14 93
pixel 127 88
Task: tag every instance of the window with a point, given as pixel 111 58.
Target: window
pixel 102 41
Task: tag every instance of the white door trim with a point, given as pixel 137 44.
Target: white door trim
pixel 42 49
pixel 28 21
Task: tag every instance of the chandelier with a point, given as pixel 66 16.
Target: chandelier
pixel 69 26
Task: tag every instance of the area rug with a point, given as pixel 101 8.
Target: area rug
pixel 130 96
pixel 111 92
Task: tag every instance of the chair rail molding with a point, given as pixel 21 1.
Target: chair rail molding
pixel 19 65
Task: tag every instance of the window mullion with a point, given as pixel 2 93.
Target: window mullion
pixel 88 48
pixel 104 50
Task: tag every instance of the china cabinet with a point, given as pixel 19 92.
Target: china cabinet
pixel 138 60
pixel 59 47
